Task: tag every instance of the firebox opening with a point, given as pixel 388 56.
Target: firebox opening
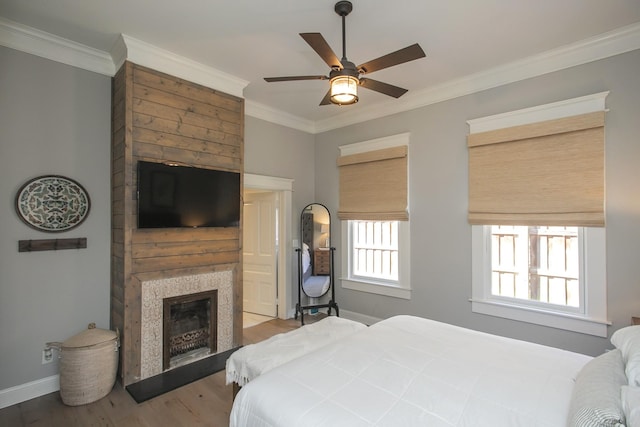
pixel 190 328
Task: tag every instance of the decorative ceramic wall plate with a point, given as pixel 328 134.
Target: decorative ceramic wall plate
pixel 52 203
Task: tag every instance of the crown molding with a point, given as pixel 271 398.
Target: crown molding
pixel 605 45
pixel 36 42
pixel 30 40
pixel 147 55
pixel 264 112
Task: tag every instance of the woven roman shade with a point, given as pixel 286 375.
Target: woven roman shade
pixel 544 173
pixel 373 185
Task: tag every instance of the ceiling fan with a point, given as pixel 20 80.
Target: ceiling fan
pixel 345 77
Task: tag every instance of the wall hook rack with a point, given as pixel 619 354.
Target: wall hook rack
pixel 51 244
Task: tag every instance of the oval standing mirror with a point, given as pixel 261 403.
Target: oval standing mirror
pixel 315 222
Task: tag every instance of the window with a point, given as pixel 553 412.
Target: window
pixel 537 265
pixel 551 276
pixel 539 173
pixel 375 218
pixel 376 257
pixel 374 250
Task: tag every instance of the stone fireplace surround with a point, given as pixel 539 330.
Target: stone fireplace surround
pixel 153 293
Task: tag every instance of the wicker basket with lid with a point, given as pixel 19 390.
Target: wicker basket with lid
pixel 88 365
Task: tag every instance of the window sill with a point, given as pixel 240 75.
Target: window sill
pixel 537 316
pixel 375 288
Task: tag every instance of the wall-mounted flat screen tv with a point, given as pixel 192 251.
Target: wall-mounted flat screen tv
pixel 183 196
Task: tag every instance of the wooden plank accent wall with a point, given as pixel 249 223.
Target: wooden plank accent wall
pixel 160 118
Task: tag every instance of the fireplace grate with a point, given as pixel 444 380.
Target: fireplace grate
pixel 188 341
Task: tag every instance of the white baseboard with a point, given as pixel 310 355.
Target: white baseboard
pixel 23 392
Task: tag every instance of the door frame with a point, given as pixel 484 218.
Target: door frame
pixel 284 188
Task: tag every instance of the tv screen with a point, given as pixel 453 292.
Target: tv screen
pixel 182 196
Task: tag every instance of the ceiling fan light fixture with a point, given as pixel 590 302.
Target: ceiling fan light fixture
pixel 345 77
pixel 344 90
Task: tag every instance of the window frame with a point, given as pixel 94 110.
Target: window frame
pixel 589 319
pixel 398 289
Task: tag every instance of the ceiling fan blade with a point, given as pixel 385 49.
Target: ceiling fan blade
pixel 381 87
pixel 327 98
pixel 401 56
pixel 291 78
pixel 322 48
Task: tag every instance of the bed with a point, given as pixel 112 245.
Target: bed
pixel 410 371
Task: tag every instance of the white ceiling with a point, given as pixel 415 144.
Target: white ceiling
pixel 252 39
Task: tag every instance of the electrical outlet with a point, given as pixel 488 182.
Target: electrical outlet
pixel 47 356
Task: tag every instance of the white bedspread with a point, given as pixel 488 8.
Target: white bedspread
pixel 408 371
pixel 253 360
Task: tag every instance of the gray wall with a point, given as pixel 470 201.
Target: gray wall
pixel 275 150
pixel 54 119
pixel 440 234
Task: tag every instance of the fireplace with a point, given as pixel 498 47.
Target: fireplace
pixel 216 289
pixel 190 328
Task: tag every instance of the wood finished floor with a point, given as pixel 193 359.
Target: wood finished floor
pixel 206 402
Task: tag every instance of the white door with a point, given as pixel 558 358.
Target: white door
pixel 260 253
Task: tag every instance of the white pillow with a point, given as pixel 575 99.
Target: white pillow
pixel 631 405
pixel 596 400
pixel 628 341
